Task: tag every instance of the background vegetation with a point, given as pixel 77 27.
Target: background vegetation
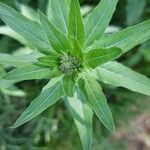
pixel 54 129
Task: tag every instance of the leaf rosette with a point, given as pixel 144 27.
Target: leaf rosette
pixel 74 55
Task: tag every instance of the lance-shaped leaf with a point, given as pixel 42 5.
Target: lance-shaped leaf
pixel 42 102
pixel 16 61
pixel 127 38
pixel 28 29
pixel 51 61
pixel 98 20
pixel 58 41
pixel 28 72
pixel 77 51
pixel 5 30
pixel 117 74
pixel 69 84
pixel 133 6
pixel 97 57
pixel 58 12
pixel 96 99
pixel 82 115
pixel 76 27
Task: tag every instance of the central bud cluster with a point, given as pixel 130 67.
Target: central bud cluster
pixel 69 64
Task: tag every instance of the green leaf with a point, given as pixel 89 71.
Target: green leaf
pixel 82 115
pixel 6 83
pixel 5 30
pixel 97 57
pixel 69 84
pixel 51 61
pixel 133 6
pixel 98 20
pixel 127 38
pixel 96 99
pixel 77 50
pixel 76 27
pixel 42 102
pixel 58 12
pixel 68 2
pixel 28 72
pixel 28 29
pixel 28 12
pixel 16 61
pixel 58 41
pixel 117 74
pixel 2 70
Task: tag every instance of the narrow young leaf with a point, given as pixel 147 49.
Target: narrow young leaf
pixel 96 99
pixel 117 74
pixel 77 50
pixel 42 102
pixel 58 41
pixel 82 115
pixel 98 20
pixel 51 61
pixel 69 85
pixel 58 12
pixel 97 57
pixel 76 27
pixel 28 72
pixel 28 29
pixel 127 38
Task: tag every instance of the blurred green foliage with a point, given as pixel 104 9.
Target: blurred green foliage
pixel 54 130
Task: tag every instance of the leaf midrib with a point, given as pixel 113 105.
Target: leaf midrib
pixel 96 24
pixel 130 37
pixel 23 28
pixel 62 16
pixel 53 92
pixel 123 76
pixel 98 105
pixel 28 73
pixel 64 37
pixel 101 56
